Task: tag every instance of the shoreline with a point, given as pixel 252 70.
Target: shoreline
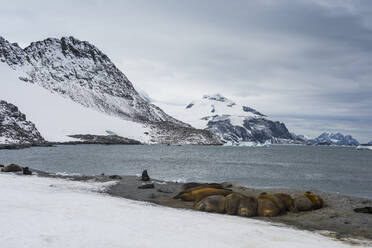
pixel 336 219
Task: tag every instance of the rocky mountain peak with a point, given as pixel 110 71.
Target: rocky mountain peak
pixel 15 128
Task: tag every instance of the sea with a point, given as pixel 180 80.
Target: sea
pixel 344 170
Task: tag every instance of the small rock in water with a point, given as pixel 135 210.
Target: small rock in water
pixel 147 186
pixel 12 168
pixel 365 210
pixel 26 171
pixel 115 177
pixel 145 176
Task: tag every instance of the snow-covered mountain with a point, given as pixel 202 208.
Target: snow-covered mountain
pixel 233 122
pixel 335 139
pixel 14 128
pixel 78 71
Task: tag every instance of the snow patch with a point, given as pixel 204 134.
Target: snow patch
pixel 46 212
pixel 57 117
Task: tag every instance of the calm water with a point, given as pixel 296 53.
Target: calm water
pixel 335 169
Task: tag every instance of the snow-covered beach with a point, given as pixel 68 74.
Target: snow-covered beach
pixel 49 212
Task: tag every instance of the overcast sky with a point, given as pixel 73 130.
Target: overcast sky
pixel 307 63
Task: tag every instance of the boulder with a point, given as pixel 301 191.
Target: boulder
pixel 365 210
pixel 145 176
pixel 147 186
pixel 26 171
pixel 12 168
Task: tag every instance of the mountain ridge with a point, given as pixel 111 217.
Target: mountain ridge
pixel 79 71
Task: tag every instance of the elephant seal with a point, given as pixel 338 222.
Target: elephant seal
pixel 12 168
pixel 212 204
pixel 248 207
pixel 232 203
pixel 302 203
pixel 198 194
pixel 188 187
pixel 270 205
pixel 287 200
pixel 316 201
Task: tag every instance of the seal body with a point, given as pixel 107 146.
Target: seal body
pixel 12 168
pixel 247 207
pixel 188 187
pixel 212 204
pixel 270 205
pixel 302 203
pixel 316 201
pixel 198 194
pixel 232 203
pixel 287 200
pixel 192 185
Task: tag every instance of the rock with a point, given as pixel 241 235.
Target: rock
pixel 147 186
pixel 1 166
pixel 26 171
pixel 145 176
pixel 365 210
pixel 12 168
pixel 115 177
pixel 167 190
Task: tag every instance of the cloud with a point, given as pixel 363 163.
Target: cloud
pixel 287 58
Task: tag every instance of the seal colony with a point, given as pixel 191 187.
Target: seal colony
pixel 340 216
pixel 215 198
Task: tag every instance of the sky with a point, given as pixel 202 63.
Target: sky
pixel 306 63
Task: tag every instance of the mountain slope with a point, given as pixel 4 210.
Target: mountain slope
pixel 14 128
pixel 233 122
pixel 78 71
pixel 335 139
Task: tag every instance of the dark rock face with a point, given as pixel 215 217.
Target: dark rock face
pixel 103 139
pixel 78 70
pixel 255 129
pixel 14 127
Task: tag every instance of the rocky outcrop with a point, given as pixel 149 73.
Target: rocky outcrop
pixel 15 128
pixel 81 72
pixel 103 139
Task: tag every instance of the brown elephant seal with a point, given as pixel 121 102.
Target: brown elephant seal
pixel 191 185
pixel 212 204
pixel 200 186
pixel 248 207
pixel 302 203
pixel 270 205
pixel 287 200
pixel 316 201
pixel 12 168
pixel 198 194
pixel 232 203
